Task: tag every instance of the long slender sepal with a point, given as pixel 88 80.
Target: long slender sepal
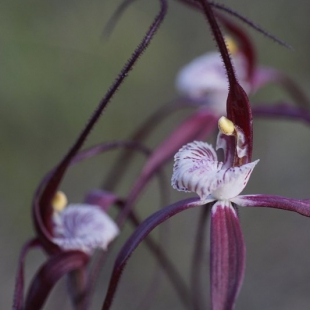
pixel 137 237
pixel 19 284
pixel 206 7
pixel 301 206
pixel 48 275
pixel 156 249
pixel 227 256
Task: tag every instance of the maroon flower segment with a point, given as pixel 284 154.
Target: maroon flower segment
pixel 227 256
pixel 301 206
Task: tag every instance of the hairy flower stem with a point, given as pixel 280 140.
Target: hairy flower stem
pixel 53 183
pixel 220 41
pixel 232 12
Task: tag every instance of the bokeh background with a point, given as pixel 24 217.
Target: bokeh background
pixel 54 68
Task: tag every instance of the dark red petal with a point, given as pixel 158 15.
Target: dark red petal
pixel 244 42
pixel 227 256
pixel 137 237
pixel 301 206
pixel 48 275
pixel 44 234
pixel 19 284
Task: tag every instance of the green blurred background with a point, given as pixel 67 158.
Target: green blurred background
pixel 54 68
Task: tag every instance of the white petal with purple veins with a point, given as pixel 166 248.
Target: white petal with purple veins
pixel 83 227
pixel 229 183
pixel 193 161
pixel 196 169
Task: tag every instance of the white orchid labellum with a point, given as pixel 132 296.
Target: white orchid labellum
pixel 83 227
pixel 197 169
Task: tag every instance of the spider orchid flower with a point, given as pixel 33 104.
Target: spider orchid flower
pixel 203 83
pixel 69 236
pixel 218 185
pixel 77 231
pixel 197 169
